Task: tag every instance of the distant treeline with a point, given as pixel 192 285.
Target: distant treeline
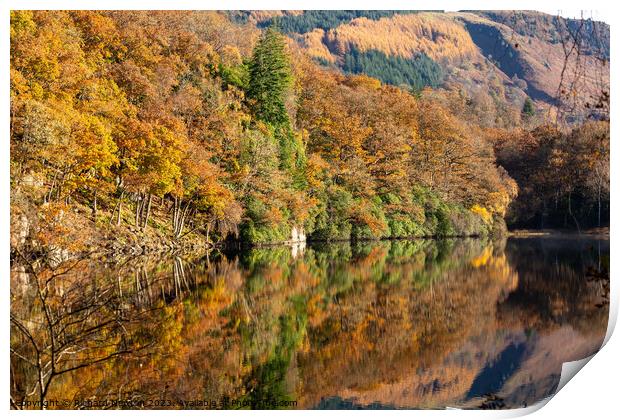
pixel 325 19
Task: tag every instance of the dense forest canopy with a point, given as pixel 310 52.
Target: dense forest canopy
pixel 313 19
pixel 415 73
pixel 182 125
pixel 564 177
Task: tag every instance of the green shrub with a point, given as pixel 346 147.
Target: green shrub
pixel 332 221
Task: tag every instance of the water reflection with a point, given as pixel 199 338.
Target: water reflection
pixel 402 324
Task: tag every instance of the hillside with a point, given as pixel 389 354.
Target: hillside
pixel 131 127
pixel 493 57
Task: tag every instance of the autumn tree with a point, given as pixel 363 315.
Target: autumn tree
pixel 183 123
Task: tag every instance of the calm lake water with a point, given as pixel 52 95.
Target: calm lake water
pixel 394 324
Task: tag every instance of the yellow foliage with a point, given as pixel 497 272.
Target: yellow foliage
pixel 404 35
pixel 312 42
pixel 482 212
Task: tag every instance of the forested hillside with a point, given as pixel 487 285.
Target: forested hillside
pixel 520 54
pixel 172 127
pixel 416 73
pixel 290 22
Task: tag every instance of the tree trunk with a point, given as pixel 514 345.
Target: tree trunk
pixel 95 205
pixel 61 184
pixel 599 204
pixel 175 216
pixel 120 209
pixel 148 211
pixel 183 216
pixel 139 205
pixel 179 216
pixel 570 211
pixel 48 197
pixel 117 208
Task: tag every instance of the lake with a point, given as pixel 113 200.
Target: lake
pixel 391 324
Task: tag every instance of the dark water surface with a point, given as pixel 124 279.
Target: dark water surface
pixel 394 324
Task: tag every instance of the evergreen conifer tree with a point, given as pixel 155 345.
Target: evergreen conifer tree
pixel 270 79
pixel 528 108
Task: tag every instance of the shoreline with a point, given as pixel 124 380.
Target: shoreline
pixel 189 247
pixel 115 250
pixel 536 233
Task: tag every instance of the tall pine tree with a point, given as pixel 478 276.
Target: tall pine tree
pixel 270 81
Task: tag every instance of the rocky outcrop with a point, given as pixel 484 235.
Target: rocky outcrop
pixel 298 234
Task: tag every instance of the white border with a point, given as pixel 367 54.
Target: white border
pixel 592 395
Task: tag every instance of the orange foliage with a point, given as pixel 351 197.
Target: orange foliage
pixel 405 35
